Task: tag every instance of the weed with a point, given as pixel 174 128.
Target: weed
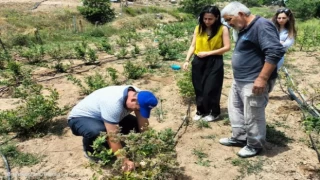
pixel 277 137
pixel 248 167
pixel 81 50
pixel 106 46
pixel 17 158
pixel 203 124
pixel 201 158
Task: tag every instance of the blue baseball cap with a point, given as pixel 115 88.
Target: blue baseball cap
pixel 147 101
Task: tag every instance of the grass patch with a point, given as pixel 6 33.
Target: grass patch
pixel 201 157
pixel 277 137
pixel 247 167
pixel 203 124
pixel 18 158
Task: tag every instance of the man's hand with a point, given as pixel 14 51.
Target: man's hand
pixel 259 86
pixel 203 54
pixel 127 165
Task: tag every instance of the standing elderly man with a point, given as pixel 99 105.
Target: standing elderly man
pixel 108 110
pixel 255 57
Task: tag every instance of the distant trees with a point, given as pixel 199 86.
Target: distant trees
pixel 97 11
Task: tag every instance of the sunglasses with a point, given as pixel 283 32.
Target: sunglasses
pixel 287 11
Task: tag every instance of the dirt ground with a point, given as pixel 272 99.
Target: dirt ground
pixel 63 155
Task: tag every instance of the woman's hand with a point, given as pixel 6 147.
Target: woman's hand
pixel 203 54
pixel 185 65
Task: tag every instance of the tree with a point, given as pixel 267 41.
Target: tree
pixel 304 9
pixel 97 11
pixel 194 6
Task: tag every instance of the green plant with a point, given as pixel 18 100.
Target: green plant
pixel 18 158
pixel 113 73
pixel 34 113
pixel 152 151
pixel 81 50
pixel 122 53
pixel 132 71
pixel 312 123
pixel 203 124
pixel 185 86
pixel 202 161
pixel 92 83
pixel 152 58
pixel 106 46
pixel 304 9
pixel 5 56
pixel 248 167
pixel 92 56
pixel 194 6
pixel 34 54
pixel 97 11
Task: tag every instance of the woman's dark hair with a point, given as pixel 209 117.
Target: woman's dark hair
pixel 290 25
pixel 215 26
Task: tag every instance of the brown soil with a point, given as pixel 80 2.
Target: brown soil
pixel 63 156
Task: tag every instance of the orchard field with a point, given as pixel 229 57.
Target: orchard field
pixel 51 57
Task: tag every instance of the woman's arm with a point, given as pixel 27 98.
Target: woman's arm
pixel 191 50
pixel 226 45
pixel 287 43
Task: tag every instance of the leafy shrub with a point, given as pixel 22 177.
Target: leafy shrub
pixel 122 53
pixel 185 85
pixel 194 6
pixel 106 46
pixel 171 50
pixel 113 73
pixel 34 114
pixel 97 11
pixel 93 82
pixel 81 50
pixel 153 152
pixel 152 57
pixel 22 40
pixel 304 9
pixel 132 71
pixel 4 56
pixel 34 54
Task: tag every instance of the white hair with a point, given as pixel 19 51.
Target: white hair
pixel 233 8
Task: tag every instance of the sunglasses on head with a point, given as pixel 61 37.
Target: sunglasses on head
pixel 284 11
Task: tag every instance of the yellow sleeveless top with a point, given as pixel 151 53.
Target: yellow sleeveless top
pixel 202 43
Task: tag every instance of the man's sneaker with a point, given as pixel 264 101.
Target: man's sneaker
pixel 232 142
pixel 248 151
pixel 197 117
pixel 210 118
pixel 91 158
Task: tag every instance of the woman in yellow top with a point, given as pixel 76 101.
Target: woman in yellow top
pixel 210 41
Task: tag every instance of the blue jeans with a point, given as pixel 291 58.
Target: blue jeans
pixel 90 128
pixel 247 113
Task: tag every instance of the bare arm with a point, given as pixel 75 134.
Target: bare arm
pixel 191 50
pixel 115 145
pixel 226 43
pixel 112 130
